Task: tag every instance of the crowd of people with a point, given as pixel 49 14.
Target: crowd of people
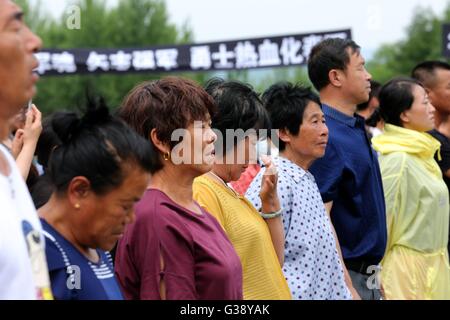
pixel 218 192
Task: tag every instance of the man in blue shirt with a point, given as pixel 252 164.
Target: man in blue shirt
pixel 348 175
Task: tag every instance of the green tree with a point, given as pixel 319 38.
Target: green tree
pixel 423 41
pixel 289 74
pixel 132 23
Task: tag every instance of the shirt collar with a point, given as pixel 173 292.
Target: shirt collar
pixel 293 170
pixel 341 117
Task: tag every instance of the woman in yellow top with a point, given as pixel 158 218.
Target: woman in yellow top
pixel 259 242
pixel 415 265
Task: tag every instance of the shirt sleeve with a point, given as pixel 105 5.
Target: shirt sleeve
pixel 286 198
pixel 328 172
pixel 208 200
pixel 177 251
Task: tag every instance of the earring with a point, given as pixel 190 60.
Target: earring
pixel 166 156
pixel 77 206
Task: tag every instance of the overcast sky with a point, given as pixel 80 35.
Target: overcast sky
pixel 373 22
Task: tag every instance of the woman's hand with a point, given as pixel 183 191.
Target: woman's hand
pixel 268 193
pixel 33 126
pixel 17 143
pixel 30 136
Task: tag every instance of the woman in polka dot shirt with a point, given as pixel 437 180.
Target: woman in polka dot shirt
pixel 313 263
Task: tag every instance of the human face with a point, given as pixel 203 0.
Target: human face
pixel 196 150
pixel 356 79
pixel 374 104
pixel 439 93
pixel 17 61
pixel 420 116
pixel 103 218
pixel 311 141
pixel 243 154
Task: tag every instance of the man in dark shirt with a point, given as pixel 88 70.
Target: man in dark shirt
pixel 348 175
pixel 435 77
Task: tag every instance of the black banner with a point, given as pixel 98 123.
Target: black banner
pixel 229 55
pixel 446 40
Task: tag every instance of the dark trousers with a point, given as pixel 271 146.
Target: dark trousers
pixel 366 285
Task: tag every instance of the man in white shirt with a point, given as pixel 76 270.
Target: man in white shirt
pixel 23 268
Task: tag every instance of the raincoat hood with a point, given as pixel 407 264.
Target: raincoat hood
pixel 396 139
pixel 420 144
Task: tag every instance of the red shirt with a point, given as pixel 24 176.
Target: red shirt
pixel 200 262
pixel 246 179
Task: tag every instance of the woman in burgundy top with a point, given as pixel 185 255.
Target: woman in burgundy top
pixel 175 249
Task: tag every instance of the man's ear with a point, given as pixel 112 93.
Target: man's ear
pixel 335 76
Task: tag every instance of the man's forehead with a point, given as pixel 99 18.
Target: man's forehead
pixel 356 55
pixel 442 73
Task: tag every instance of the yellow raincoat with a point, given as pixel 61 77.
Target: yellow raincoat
pixel 415 265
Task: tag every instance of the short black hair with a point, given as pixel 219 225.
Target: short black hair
pixel 48 139
pixel 239 107
pixel 97 146
pixel 395 97
pixel 375 87
pixel 286 104
pixel 41 191
pixel 329 54
pixel 373 120
pixel 425 71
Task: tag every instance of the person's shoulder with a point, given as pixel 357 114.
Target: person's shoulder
pixel 6 162
pixel 437 135
pixel 286 171
pixel 57 256
pixel 203 184
pixel 398 162
pixel 151 206
pixel 156 211
pixel 400 156
pixel 443 139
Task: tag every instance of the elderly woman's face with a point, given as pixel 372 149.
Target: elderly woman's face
pixel 103 218
pixel 311 141
pixel 196 150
